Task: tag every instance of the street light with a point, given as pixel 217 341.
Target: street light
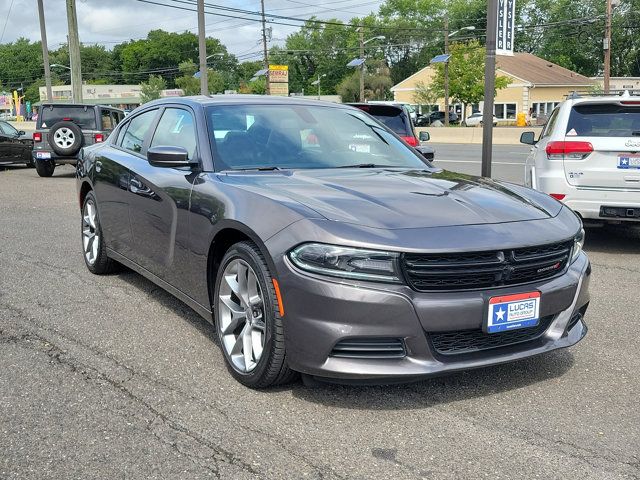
pixel 61 66
pixel 470 27
pixel 359 62
pixel 214 55
pixel 317 82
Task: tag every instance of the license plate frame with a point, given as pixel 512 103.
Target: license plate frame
pixel 629 161
pixel 512 312
pixel 43 155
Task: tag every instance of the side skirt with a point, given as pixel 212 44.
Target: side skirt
pixel 200 309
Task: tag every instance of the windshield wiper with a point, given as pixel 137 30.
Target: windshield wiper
pixel 370 165
pixel 260 169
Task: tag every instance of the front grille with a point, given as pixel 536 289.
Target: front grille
pixel 469 341
pixel 460 271
pixel 369 348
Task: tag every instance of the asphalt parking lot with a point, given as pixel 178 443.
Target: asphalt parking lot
pixel 111 377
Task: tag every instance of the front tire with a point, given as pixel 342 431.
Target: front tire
pixel 45 168
pixel 248 321
pixel 93 248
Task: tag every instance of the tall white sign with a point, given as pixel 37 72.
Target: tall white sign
pixel 506 27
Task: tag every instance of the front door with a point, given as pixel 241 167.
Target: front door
pixel 159 199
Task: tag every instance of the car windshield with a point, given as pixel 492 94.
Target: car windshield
pixel 604 120
pixel 303 137
pixel 82 116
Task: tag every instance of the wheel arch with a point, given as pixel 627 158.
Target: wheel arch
pixel 229 233
pixel 84 189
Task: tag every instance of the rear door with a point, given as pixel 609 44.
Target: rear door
pixel 113 164
pixel 613 131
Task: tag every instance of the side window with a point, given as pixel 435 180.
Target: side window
pixel 136 130
pixel 115 119
pixel 107 122
pixel 176 129
pixel 548 128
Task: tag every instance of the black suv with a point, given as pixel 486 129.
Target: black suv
pixel 398 119
pixel 63 129
pixel 425 120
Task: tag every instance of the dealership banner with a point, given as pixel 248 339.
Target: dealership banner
pixel 506 27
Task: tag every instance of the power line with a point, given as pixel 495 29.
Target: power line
pixel 6 21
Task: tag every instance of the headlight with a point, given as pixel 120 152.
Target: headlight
pixel 578 242
pixel 346 262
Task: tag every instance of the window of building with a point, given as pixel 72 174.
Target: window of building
pixel 543 109
pixel 505 111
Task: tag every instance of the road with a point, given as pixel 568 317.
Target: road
pixel 111 377
pixel 507 160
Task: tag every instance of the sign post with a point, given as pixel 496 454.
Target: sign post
pixel 500 35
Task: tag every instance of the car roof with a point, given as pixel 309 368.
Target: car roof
pixel 209 100
pixel 48 105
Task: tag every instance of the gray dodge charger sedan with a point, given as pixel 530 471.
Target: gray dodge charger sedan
pixel 318 242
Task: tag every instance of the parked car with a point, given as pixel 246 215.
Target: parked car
pixel 15 147
pixel 63 129
pixel 321 243
pixel 407 106
pixel 397 118
pixel 588 157
pixel 426 120
pixel 475 119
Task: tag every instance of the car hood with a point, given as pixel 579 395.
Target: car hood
pixel 400 198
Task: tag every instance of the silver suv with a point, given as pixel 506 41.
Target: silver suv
pixel 588 156
pixel 63 129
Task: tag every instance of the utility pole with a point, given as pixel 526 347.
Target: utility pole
pixel 489 87
pixel 74 52
pixel 264 46
pixel 446 70
pixel 202 51
pixel 361 38
pixel 45 51
pixel 606 44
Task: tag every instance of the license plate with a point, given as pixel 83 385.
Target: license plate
pixel 510 312
pixel 43 155
pixel 629 160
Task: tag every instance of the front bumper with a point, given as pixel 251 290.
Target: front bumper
pixel 321 312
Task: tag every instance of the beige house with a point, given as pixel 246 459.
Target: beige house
pixel 536 85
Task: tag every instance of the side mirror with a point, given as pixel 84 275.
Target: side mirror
pixel 169 157
pixel 21 132
pixel 528 138
pixel 424 136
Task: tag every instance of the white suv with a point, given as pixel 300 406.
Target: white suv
pixel 588 156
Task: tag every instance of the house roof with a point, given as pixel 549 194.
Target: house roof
pixel 539 71
pixel 528 68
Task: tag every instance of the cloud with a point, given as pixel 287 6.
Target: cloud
pixel 109 22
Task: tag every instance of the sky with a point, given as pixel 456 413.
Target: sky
pixel 109 22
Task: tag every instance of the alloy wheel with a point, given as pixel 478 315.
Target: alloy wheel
pixel 241 315
pixel 90 237
pixel 64 137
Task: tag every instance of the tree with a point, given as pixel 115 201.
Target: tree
pixel 187 82
pixel 376 84
pixel 466 75
pixel 152 89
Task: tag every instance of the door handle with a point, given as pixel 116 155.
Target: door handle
pixel 139 188
pixel 632 178
pixel 98 166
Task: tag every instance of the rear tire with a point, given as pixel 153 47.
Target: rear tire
pixel 248 322
pixel 45 168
